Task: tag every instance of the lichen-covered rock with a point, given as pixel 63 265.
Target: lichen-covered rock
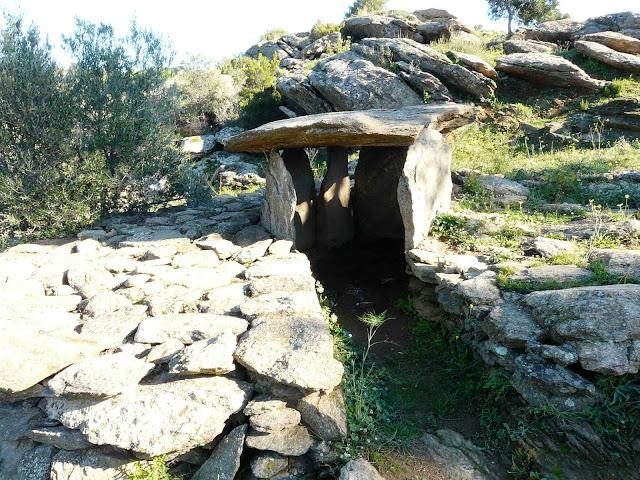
pixel 622 61
pixel 528 46
pixel 275 420
pixel 268 465
pixel 188 327
pixel 144 421
pixel 557 274
pixel 376 26
pixel 224 462
pixel 616 41
pixel 509 325
pixel 90 464
pixel 294 441
pixel 213 356
pixel 359 469
pixel 325 414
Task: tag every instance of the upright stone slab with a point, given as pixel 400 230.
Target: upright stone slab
pixel 279 204
pixel 335 214
pixel 424 188
pixel 375 200
pixel 304 219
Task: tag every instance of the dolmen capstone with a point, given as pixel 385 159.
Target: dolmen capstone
pixel 402 179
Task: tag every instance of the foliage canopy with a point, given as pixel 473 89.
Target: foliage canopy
pixel 524 11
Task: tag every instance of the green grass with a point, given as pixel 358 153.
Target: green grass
pixel 156 469
pixel 458 44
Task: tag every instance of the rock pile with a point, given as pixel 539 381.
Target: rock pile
pixel 190 334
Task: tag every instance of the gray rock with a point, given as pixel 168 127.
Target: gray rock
pixel 164 352
pixel 553 274
pixel 433 62
pixel 250 235
pixel 267 48
pixel 620 263
pixel 282 304
pixel 224 300
pixel 350 82
pixel 297 163
pixel 196 258
pixel 253 252
pixel 17 419
pixel 11 453
pixel 226 133
pixel 424 82
pixel 224 249
pixel 206 403
pixel 359 469
pixel 549 247
pixel 91 464
pixel 577 313
pixel 280 200
pixel 98 377
pixel 622 61
pixel 199 144
pixel 296 90
pixel 89 280
pixel 528 46
pixel 475 63
pixel 59 437
pixel 561 354
pixel 481 290
pixel 204 279
pixel 224 462
pixel 325 414
pixel 555 31
pixel 36 463
pixel 335 213
pixel 281 283
pixel 268 465
pixel 546 69
pixel 294 441
pixel 263 404
pixel 212 357
pixel 276 266
pixel 103 303
pixel 276 420
pixel 293 351
pixel 459 458
pixel 376 26
pixel 540 383
pixel 320 46
pixel 424 187
pixel 115 325
pixel 608 358
pixel 509 325
pixel 188 327
pixel 616 41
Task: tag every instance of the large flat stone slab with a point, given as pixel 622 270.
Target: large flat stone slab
pixel 386 128
pixel 146 420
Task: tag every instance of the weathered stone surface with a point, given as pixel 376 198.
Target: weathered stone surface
pixel 350 82
pixel 282 304
pixel 45 353
pixel 91 464
pixel 390 128
pixel 213 356
pixel 608 358
pixel 509 325
pixel 224 249
pixel 117 325
pixel 253 252
pixel 88 279
pixel 280 200
pixel 622 61
pixel 335 215
pixel 144 421
pixel 325 414
pixel 274 266
pixel 204 279
pixel 164 352
pixel 292 441
pixel 250 235
pixel 612 22
pixel 376 26
pixel 528 46
pixel 621 263
pixel 424 82
pixel 267 48
pixel 459 458
pixel 555 31
pixel 268 465
pixel 224 300
pixel 199 144
pixel 616 41
pixel 540 382
pixel 171 299
pixel 579 313
pixel 98 377
pixel 196 258
pixel 546 69
pixel 359 469
pixel 275 420
pixel 187 327
pixel 103 303
pixel 17 419
pixel 298 92
pixel 224 462
pixel 549 247
pixel 375 194
pixel 263 403
pixel 59 437
pixel 320 46
pixel 431 61
pixel 475 63
pixel 36 463
pixel 553 274
pixel 282 283
pixel 424 188
pixel 280 247
pixel 294 351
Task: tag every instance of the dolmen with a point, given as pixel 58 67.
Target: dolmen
pixel 402 179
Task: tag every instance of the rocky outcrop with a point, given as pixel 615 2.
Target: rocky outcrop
pixel 555 31
pixel 432 88
pixel 350 82
pixel 627 23
pixel 616 41
pixel 622 61
pixel 528 46
pixel 378 26
pixel 297 91
pixel 475 63
pixel 546 69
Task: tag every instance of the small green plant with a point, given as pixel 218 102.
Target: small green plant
pixel 320 29
pixel 273 34
pixel 156 469
pixel 451 227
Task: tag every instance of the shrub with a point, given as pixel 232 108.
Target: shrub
pixel 273 34
pixel 320 29
pixel 72 142
pixel 207 96
pixel 363 7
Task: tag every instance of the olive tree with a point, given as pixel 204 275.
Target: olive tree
pixel 525 12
